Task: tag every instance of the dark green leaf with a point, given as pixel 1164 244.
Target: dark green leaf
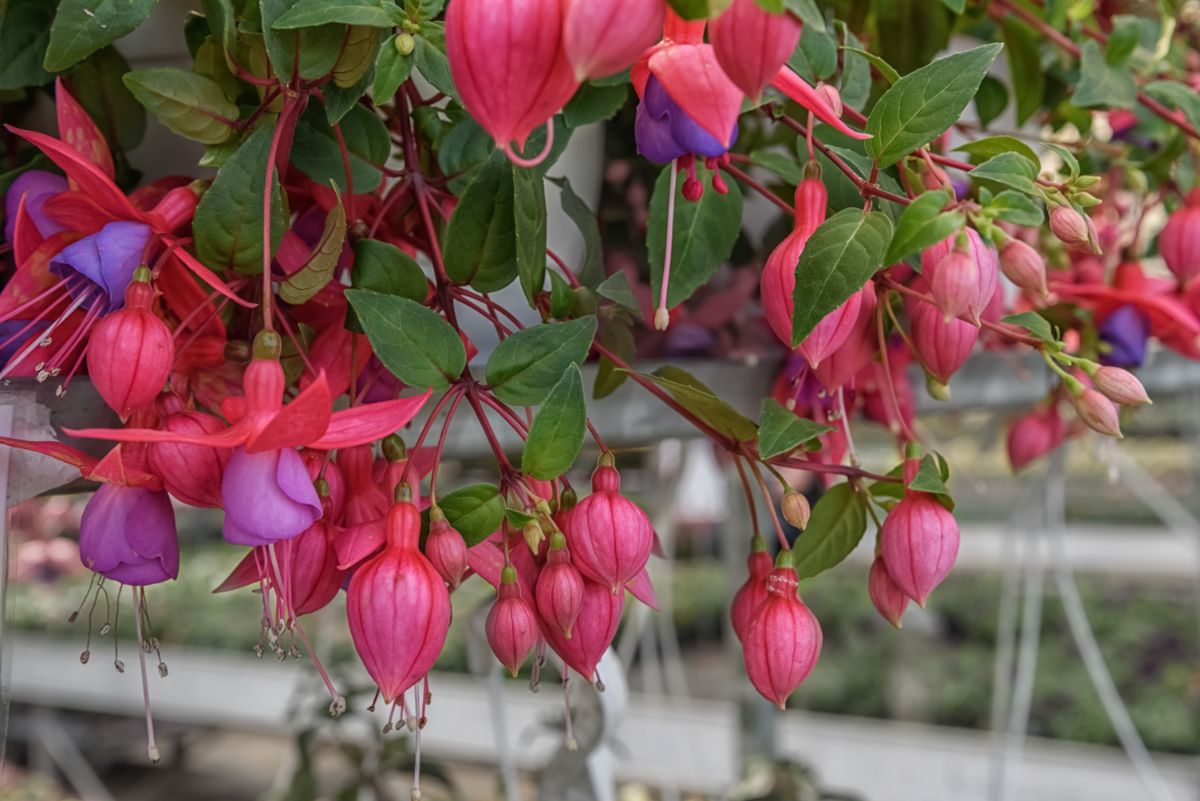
pixel 474 511
pixel 188 104
pixel 339 100
pixel 855 83
pixel 690 9
pixel 705 232
pixel 594 103
pixel 786 167
pixel 387 270
pixel 311 278
pixel 529 228
pixel 465 146
pixel 980 150
pixel 1179 96
pixel 563 302
pixel 97 85
pixel 391 70
pixel 315 150
pixel 434 67
pixel 923 104
pixel 1034 323
pixel 591 267
pixel 81 27
pixel 782 431
pixel 808 13
pixel 1017 208
pixel 222 23
pixel 698 399
pixel 228 225
pixel 929 477
pixel 1122 40
pixel 317 49
pixel 309 13
pixel 617 336
pixel 990 100
pixel 885 69
pixel 480 244
pixel 1101 84
pixel 415 343
pixel 616 288
pixel 24 34
pixel 957 6
pixel 1022 46
pixel 923 223
pixel 525 366
pixel 557 432
pixel 1011 170
pixel 839 258
pixel 815 58
pixel 838 522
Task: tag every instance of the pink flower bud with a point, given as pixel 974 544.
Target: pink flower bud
pixel 832 331
pixel 779 273
pixel 191 473
pixel 593 632
pixel 1179 242
pixel 321 466
pixel 753 592
pixel 1120 386
pixel 603 37
pixel 311 578
pixel 508 62
pixel 130 353
pixel 1024 266
pixel 610 537
pixel 955 284
pixel 889 600
pixel 986 262
pixel 1034 435
pixel 559 590
pixel 919 542
pixel 445 549
pixel 512 628
pixel 751 43
pixel 398 608
pixel 859 348
pixel 941 345
pixel 783 642
pixel 832 97
pixel 1073 229
pixel 1097 412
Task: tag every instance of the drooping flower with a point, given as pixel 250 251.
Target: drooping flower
pixel 559 590
pixel 594 629
pixel 603 37
pixel 753 44
pixel 918 541
pixel 267 496
pixel 1179 242
pixel 783 643
pixel 512 627
pixel 1125 333
pixel 752 593
pixel 127 534
pixel 778 281
pixel 445 548
pixel 1034 434
pixel 985 260
pixel 887 598
pixel 610 537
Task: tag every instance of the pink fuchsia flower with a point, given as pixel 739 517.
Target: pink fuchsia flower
pixel 127 534
pixel 603 37
pixel 191 473
pixel 1179 242
pixel 1034 434
pixel 778 281
pixel 783 642
pixel 28 195
pixel 941 345
pixel 559 590
pixel 753 44
pixel 919 542
pixel 445 549
pixel 1096 411
pixel 1119 386
pixel 886 596
pixel 752 593
pixel 986 262
pixel 664 132
pixel 267 496
pixel 512 627
pixel 1074 229
pixel 609 535
pixel 1124 334
pixel 1022 264
pixel 599 615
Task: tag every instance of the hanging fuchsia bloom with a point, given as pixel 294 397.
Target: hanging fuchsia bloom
pixel 941 345
pixel 127 534
pixel 267 497
pixel 132 351
pixel 1074 229
pixel 752 593
pixel 664 132
pixel 1034 435
pixel 510 66
pixel 610 537
pixel 779 273
pixel 857 350
pixel 559 591
pixel 752 44
pixel 445 549
pixel 603 37
pixel 887 598
pixel 398 608
pixel 783 642
pixel 919 541
pixel 1024 266
pixel 594 629
pixel 1096 411
pixel 512 627
pixel 1179 242
pixel 191 473
pixel 955 285
pixel 975 295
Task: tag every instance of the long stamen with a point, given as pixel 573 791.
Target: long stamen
pixel 416 787
pixel 139 601
pixel 65 284
pixel 568 731
pixel 16 360
pixel 662 317
pixel 338 705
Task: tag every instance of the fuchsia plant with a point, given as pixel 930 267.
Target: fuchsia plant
pixel 273 338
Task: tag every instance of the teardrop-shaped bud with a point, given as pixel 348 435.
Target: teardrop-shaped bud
pixel 832 331
pixel 603 37
pixel 796 508
pixel 1096 411
pixel 512 626
pixel 919 542
pixel 887 597
pixel 955 284
pixel 1120 386
pixel 858 349
pixel 1179 242
pixel 610 536
pixel 1024 266
pixel 778 282
pixel 191 473
pixel 594 629
pixel 987 265
pixel 131 351
pixel 1033 435
pixel 753 591
pixel 1073 229
pixel 783 642
pixel 752 43
pixel 445 549
pixel 941 345
pixel 559 591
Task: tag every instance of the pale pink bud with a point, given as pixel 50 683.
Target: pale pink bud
pixel 445 549
pixel 559 591
pixel 941 345
pixel 1179 242
pixel 753 591
pixel 603 37
pixel 1024 266
pixel 857 351
pixel 1120 386
pixel 832 97
pixel 1034 435
pixel 1097 412
pixel 778 282
pixel 751 43
pixel 986 262
pixel 1073 229
pixel 919 542
pixel 783 641
pixel 889 600
pixel 832 331
pixel 955 284
pixel 610 536
pixel 511 627
pixel 593 632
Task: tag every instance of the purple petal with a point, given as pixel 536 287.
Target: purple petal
pixel 265 498
pixel 1126 331
pixel 653 137
pixel 128 534
pixel 37 186
pixel 694 139
pixel 106 258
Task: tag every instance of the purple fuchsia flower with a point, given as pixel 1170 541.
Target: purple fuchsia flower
pixel 664 131
pixel 1126 332
pixel 268 496
pixel 33 188
pixel 99 267
pixel 127 534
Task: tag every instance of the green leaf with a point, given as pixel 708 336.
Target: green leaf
pixel 591 266
pixel 885 69
pixel 593 103
pixel 698 399
pixel 923 104
pixel 479 246
pixel 96 84
pixel 340 100
pixel 474 511
pixel 808 12
pixel 1122 40
pixel 391 70
pixel 317 49
pixel 387 270
pixel 923 223
pixel 529 217
pixel 302 285
pixel 564 303
pixel 705 232
pixel 24 34
pixel 316 153
pixel 782 431
pixel 616 288
pixel 783 165
pixel 1179 96
pixel 957 6
pixel 1101 84
pixel 228 224
pixel 617 336
pixel 1022 46
pixel 839 258
pixel 981 150
pixel 434 67
pixel 1068 159
pixel 815 57
pixel 222 23
pixel 990 100
pixel 838 522
pixel 81 27
pixel 187 103
pixel 358 56
pixel 1017 208
pixel 465 146
pixel 309 13
pixel 413 342
pixel 557 432
pixel 1011 170
pixel 929 477
pixel 1034 323
pixel 525 366
pixel 855 80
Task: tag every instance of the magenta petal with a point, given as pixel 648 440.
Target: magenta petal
pixel 267 497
